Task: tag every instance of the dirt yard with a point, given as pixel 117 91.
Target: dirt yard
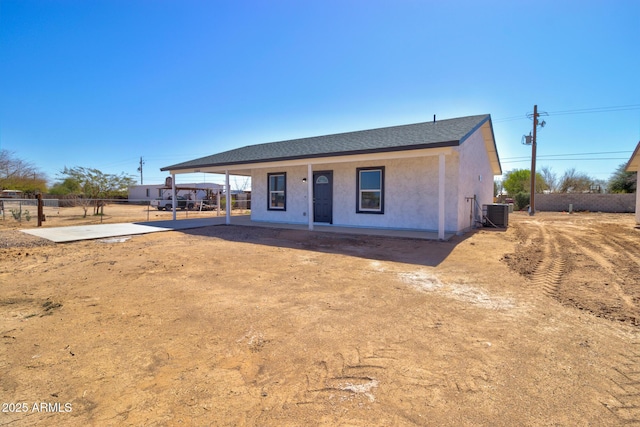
pixel 230 326
pixel 112 213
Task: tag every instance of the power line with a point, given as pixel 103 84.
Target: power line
pixel 509 119
pixel 569 159
pixel 576 111
pixel 597 110
pixel 570 154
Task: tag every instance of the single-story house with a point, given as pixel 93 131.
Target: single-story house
pixel 430 176
pixel 634 166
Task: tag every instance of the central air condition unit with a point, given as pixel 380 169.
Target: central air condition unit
pixel 496 215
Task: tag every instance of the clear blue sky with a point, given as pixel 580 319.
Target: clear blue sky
pixel 101 83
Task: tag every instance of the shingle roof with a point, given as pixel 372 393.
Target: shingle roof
pixel 442 133
pixel 634 162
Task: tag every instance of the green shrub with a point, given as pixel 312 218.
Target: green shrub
pixel 18 214
pixel 522 201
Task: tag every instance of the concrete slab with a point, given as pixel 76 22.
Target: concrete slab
pixel 329 228
pixel 101 231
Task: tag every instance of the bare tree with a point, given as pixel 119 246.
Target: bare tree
pixel 95 184
pixel 17 174
pixel 575 182
pixel 241 186
pixel 550 178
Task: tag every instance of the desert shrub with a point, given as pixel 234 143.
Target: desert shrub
pixel 18 214
pixel 522 200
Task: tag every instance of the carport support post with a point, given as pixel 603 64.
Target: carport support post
pixel 227 206
pixel 310 195
pixel 173 195
pixel 441 177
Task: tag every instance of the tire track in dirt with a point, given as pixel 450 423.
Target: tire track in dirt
pixel 611 253
pixel 624 400
pixel 365 376
pixel 608 264
pixel 547 274
pixel 628 247
pixel 593 267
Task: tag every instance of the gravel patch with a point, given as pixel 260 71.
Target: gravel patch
pixel 18 239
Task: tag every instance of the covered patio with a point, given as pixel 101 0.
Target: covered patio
pixel 103 231
pixel 245 220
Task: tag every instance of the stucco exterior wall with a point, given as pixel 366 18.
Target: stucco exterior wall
pixel 475 178
pixel 410 194
pixel 296 196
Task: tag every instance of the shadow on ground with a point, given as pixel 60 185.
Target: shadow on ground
pixel 381 248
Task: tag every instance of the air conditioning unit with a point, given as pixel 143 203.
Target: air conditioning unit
pixel 496 215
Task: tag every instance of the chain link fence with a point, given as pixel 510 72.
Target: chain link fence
pixel 23 213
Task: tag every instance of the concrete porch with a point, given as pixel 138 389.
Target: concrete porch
pixel 328 228
pixel 100 231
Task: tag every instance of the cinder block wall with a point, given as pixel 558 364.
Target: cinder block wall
pixel 559 202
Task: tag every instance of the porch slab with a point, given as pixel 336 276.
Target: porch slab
pixel 101 231
pixel 328 228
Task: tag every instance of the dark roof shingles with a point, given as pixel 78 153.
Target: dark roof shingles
pixel 419 135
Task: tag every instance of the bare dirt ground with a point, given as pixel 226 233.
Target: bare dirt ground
pixel 232 326
pixel 112 213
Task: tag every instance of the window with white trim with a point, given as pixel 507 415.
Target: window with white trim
pixel 370 190
pixel 277 183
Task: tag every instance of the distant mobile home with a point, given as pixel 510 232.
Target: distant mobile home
pixel 11 194
pixel 431 176
pixel 162 191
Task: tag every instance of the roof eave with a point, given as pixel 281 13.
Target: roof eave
pixel 634 162
pixel 490 143
pixel 190 167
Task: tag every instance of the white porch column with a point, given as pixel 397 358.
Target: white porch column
pixel 310 195
pixel 228 204
pixel 173 195
pixel 638 203
pixel 441 179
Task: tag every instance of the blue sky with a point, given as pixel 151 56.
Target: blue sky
pixel 101 83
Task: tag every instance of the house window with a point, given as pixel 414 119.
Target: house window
pixel 160 192
pixel 147 192
pixel 277 191
pixel 370 190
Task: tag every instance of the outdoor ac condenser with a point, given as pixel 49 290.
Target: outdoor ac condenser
pixel 497 215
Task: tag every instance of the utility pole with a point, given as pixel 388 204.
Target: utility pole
pixel 532 139
pixel 532 198
pixel 140 170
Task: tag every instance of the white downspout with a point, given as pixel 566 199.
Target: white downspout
pixel 310 195
pixel 228 204
pixel 441 179
pixel 173 195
